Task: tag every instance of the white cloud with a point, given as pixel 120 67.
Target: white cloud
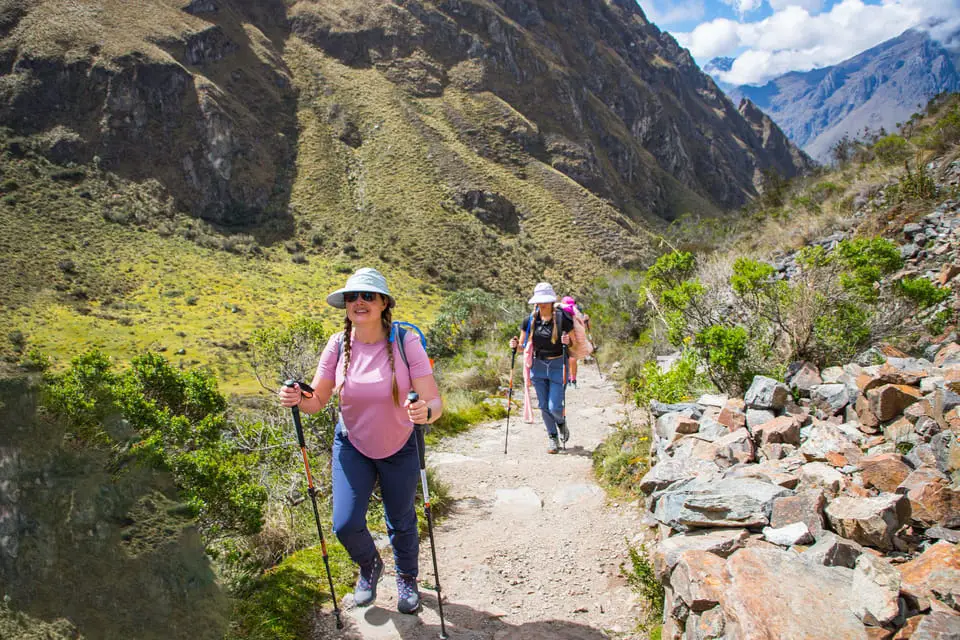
pixel 813 7
pixel 667 13
pixel 744 7
pixel 792 39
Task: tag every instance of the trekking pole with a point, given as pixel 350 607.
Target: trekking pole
pixel 412 397
pixel 513 359
pixel 307 391
pixel 563 402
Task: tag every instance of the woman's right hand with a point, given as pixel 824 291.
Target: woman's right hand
pixel 514 342
pixel 289 396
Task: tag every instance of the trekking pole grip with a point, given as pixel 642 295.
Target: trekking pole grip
pixel 412 397
pixel 307 392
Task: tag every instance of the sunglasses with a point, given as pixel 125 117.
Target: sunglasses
pixel 368 296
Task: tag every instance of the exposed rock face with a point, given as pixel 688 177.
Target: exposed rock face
pixel 619 106
pixel 210 112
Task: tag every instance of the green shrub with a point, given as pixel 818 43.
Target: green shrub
pixel 284 353
pixel 891 149
pixel 469 316
pixel 917 185
pixel 643 580
pixel 622 459
pixel 923 292
pixel 177 420
pixel 675 385
pixel 842 333
pixel 867 261
pixel 723 350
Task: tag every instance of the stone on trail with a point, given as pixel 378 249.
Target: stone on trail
pixel 775 594
pixel 788 535
pixel 833 551
pixel 574 493
pixel 876 585
pixel 523 499
pixel 721 542
pixel 871 522
pixel 766 393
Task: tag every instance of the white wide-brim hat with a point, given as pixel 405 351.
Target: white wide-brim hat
pixel 365 279
pixel 543 293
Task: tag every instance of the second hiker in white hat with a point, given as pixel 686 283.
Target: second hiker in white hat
pixel 543 336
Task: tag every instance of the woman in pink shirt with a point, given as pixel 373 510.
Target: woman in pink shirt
pixel 374 438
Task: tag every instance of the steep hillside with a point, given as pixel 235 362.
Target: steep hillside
pixel 452 144
pixel 881 87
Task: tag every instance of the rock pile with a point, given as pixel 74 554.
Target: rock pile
pixel 823 506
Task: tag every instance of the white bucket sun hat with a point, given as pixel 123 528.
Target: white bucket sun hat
pixel 543 293
pixel 365 279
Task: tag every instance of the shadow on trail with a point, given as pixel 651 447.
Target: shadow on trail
pixel 577 450
pixel 462 622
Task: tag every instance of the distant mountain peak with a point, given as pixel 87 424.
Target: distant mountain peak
pixel 718 64
pixel 875 89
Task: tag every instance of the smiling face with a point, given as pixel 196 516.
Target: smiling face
pixel 366 313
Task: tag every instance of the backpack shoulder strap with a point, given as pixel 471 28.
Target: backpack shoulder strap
pixel 398 332
pixel 526 338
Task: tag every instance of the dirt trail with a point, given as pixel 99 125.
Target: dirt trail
pixel 532 548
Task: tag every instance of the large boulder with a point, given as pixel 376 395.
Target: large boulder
pixel 775 594
pixel 830 398
pixel 671 470
pixel 766 393
pixel 671 426
pixel 871 522
pixel 939 625
pixel 698 579
pixel 802 376
pixel 731 502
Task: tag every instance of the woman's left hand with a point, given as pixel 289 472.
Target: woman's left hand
pixel 417 412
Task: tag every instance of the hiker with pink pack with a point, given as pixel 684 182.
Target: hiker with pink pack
pixel 544 338
pixel 580 347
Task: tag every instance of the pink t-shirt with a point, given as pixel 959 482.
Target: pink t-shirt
pixel 377 427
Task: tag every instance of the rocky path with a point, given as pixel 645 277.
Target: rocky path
pixel 532 549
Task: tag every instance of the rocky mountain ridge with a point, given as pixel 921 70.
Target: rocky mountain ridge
pixel 574 120
pixel 876 89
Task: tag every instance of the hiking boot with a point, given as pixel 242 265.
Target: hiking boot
pixel 366 590
pixel 408 596
pixel 554 446
pixel 564 431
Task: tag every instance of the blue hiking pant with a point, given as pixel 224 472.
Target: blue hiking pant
pixel 354 476
pixel 547 379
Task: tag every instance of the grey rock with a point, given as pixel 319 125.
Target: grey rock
pixel 876 584
pixel 943 533
pixel 819 475
pixel 802 376
pixel 670 470
pixel 687 408
pixel 912 228
pixel 909 250
pixel 871 522
pixel 708 400
pixel 921 455
pixel 731 502
pixel 766 393
pixel 757 417
pixel 711 430
pixel 829 398
pixel 941 445
pixel 821 439
pixel 670 426
pixel 832 550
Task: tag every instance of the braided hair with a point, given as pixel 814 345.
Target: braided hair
pixel 386 320
pixel 553 338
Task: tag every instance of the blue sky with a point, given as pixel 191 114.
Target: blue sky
pixel 771 37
